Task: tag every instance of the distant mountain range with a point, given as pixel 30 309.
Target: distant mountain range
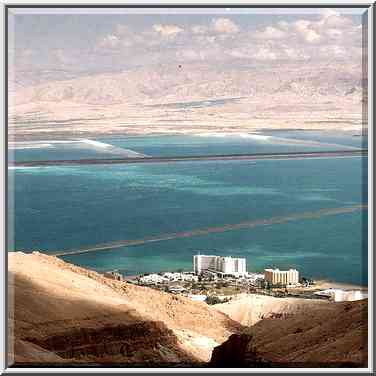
pixel 164 84
pixel 246 94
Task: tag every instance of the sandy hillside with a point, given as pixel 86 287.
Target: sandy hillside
pixel 78 315
pixel 67 314
pixel 325 335
pixel 248 309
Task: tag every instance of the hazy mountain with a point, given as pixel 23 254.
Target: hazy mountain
pixel 185 98
pixel 187 82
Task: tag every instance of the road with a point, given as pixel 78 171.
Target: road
pixel 236 157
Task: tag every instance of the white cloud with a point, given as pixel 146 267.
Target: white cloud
pixel 301 25
pixel 199 29
pixel 271 32
pixel 224 26
pixel 283 25
pixel 167 30
pixel 332 18
pixel 109 41
pixel 311 36
pixel 305 29
pixel 121 30
pixel 334 33
pixel 221 39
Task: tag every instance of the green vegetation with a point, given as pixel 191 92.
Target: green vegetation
pixel 213 299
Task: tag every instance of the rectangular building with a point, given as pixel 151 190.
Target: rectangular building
pixel 225 265
pixel 282 277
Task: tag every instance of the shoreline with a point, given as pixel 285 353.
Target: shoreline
pixel 358 132
pixel 320 284
pixel 199 158
pixel 327 284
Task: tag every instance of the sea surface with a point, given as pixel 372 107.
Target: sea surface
pixel 58 208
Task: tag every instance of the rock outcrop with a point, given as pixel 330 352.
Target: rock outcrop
pixel 332 335
pixel 78 316
pixel 64 315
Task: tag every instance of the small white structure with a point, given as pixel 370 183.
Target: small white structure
pixel 253 277
pixel 173 277
pixel 197 297
pixel 176 289
pixel 225 265
pixel 339 295
pixel 190 277
pixel 153 279
pixel 283 277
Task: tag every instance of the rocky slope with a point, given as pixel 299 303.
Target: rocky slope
pixel 63 313
pixel 328 335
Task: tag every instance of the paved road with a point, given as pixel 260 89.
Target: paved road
pixel 296 155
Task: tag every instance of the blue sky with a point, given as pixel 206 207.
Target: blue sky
pixel 98 40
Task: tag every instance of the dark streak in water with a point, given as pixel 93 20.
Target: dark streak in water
pixel 217 229
pixel 238 157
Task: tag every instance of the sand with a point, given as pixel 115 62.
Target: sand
pixel 53 298
pixel 248 309
pixel 61 313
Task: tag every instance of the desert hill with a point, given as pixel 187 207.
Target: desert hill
pixel 189 98
pixel 248 310
pixel 163 84
pixel 329 335
pixel 78 315
pixel 64 314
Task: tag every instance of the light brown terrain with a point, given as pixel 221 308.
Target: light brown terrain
pixel 81 316
pixel 249 309
pixel 190 99
pixel 329 335
pixel 64 314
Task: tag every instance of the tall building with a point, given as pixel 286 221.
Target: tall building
pixel 283 277
pixel 225 265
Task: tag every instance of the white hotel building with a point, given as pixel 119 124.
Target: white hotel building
pixel 219 264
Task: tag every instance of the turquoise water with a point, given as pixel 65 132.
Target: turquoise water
pixel 59 208
pixel 175 145
pixel 340 138
pixel 167 146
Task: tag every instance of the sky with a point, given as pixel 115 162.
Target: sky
pixel 98 40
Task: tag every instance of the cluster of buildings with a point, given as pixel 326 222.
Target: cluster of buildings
pixel 237 267
pixel 234 271
pixel 212 267
pixel 153 279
